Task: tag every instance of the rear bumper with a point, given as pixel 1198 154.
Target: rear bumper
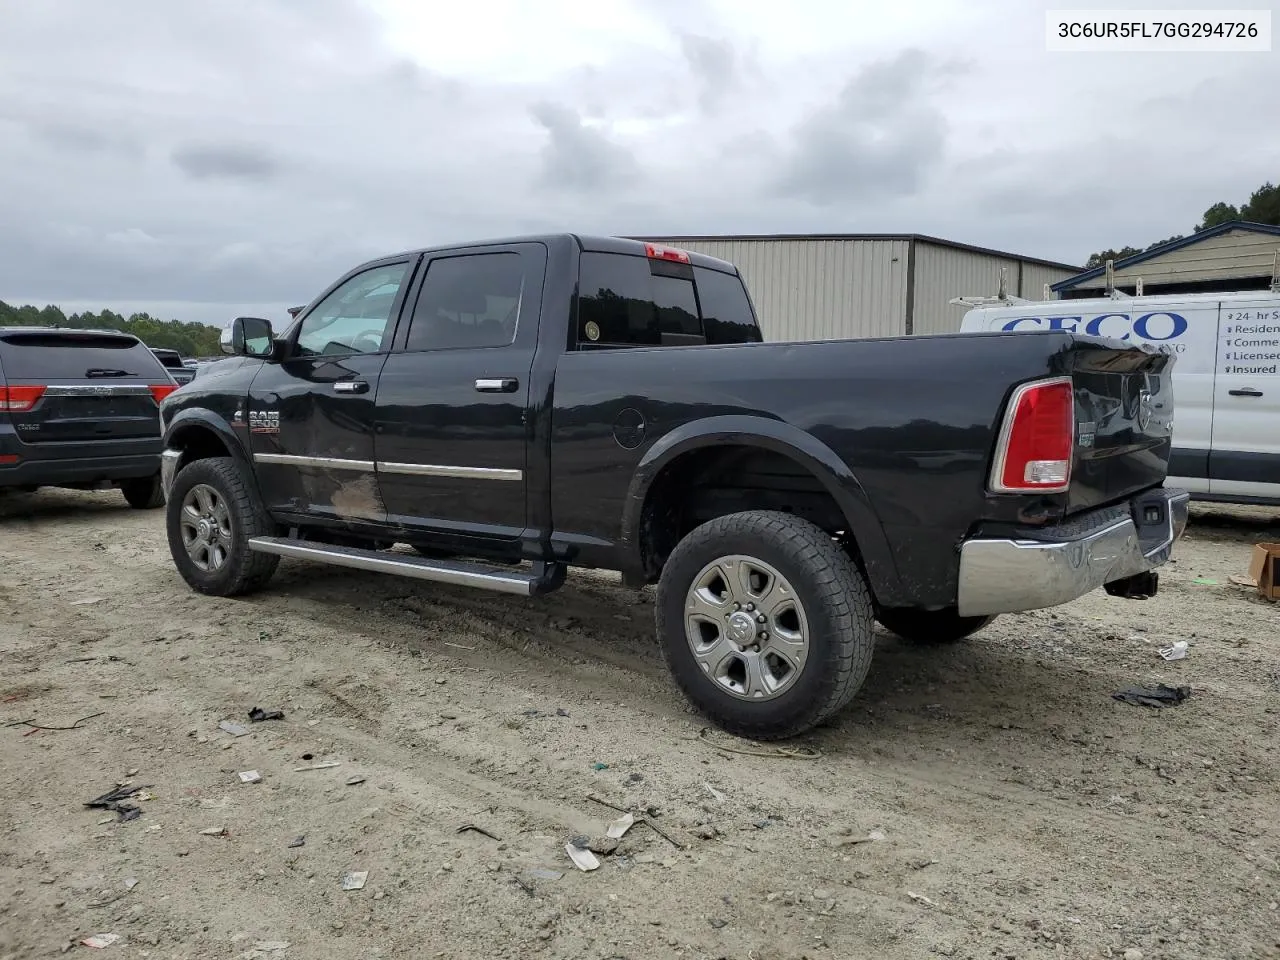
pixel 52 473
pixel 1056 565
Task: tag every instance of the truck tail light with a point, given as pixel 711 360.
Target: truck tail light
pixel 655 252
pixel 162 390
pixel 19 399
pixel 1033 454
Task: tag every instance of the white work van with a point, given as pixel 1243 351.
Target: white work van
pixel 1226 381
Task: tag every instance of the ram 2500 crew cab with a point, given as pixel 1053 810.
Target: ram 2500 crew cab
pixel 508 409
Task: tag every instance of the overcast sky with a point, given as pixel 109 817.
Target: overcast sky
pixel 198 160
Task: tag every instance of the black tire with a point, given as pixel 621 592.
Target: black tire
pixel 144 494
pixel 836 603
pixel 244 570
pixel 931 626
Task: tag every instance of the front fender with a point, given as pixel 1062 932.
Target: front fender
pixel 789 441
pixel 196 418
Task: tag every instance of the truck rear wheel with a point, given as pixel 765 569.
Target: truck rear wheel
pixel 143 494
pixel 765 623
pixel 212 512
pixel 931 626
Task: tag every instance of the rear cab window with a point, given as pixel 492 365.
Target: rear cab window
pixel 44 357
pixel 636 301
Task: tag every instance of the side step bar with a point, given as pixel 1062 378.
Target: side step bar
pixel 543 578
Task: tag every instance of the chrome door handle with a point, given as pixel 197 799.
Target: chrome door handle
pixel 497 385
pixel 351 386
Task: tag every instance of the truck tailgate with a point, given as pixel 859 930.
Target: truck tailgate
pixel 1124 421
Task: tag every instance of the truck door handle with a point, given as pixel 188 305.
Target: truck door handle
pixel 351 386
pixel 497 385
pixel 1245 392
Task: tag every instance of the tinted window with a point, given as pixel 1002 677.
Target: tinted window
pixel 635 301
pixel 354 318
pixel 468 301
pixel 76 356
pixel 726 310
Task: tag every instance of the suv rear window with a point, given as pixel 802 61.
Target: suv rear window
pixel 169 358
pixel 75 356
pixel 637 301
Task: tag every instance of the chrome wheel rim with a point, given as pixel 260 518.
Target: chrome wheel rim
pixel 746 628
pixel 205 523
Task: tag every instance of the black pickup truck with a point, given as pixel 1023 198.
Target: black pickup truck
pixel 511 408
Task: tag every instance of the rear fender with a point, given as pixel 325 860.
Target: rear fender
pixel 789 441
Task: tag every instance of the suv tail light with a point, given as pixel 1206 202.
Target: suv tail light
pixel 162 390
pixel 19 399
pixel 655 252
pixel 1033 454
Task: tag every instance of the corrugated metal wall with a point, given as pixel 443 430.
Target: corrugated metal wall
pixel 820 289
pixel 1234 255
pixel 1036 275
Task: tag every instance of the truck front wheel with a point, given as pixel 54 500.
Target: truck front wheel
pixel 212 512
pixel 931 626
pixel 765 623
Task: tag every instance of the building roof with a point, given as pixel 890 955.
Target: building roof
pixel 1164 248
pixel 919 237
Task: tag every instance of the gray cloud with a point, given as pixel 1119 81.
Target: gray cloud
pixel 578 157
pixel 882 136
pixel 714 64
pixel 203 161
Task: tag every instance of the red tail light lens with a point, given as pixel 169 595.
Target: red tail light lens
pixel 1037 439
pixel 162 390
pixel 655 252
pixel 18 399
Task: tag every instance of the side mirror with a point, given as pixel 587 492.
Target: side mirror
pixel 248 337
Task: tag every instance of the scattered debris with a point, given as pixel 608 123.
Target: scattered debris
pixel 472 828
pixel 322 765
pixel 762 824
pixel 648 822
pixel 36 726
pixel 635 778
pixel 448 715
pixel 214 832
pixel 353 781
pixel 718 922
pixel 1205 581
pixel 250 776
pixel 355 880
pixel 875 836
pixel 298 841
pixel 1264 571
pixel 618 829
pixel 233 728
pixel 787 753
pixel 714 792
pixel 1133 953
pixel 708 832
pixel 1158 696
pixel 598 766
pixel 542 873
pixel 582 859
pixel 921 864
pixel 921 898
pixel 605 846
pixel 605 803
pixel 257 715
pixel 561 712
pixel 1248 583
pixel 86 601
pixel 1175 651
pixel 460 646
pixel 100 940
pixel 113 800
pixel 130 883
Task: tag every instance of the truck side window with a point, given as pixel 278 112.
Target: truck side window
pixel 633 301
pixel 468 301
pixel 727 316
pixel 354 318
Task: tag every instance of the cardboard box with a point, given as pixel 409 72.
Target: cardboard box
pixel 1264 569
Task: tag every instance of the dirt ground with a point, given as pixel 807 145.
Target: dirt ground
pixel 1019 810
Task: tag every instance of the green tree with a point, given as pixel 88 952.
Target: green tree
pixel 1263 205
pixel 1102 256
pixel 189 339
pixel 1217 214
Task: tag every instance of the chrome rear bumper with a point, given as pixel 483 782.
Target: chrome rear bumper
pixel 1066 562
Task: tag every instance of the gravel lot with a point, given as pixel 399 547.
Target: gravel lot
pixel 1019 811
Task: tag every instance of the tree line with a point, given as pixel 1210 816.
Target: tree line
pixel 1263 206
pixel 189 339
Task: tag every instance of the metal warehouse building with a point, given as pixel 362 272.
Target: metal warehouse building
pixel 834 286
pixel 1231 256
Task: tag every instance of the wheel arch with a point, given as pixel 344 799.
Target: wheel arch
pixel 671 453
pixel 199 434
